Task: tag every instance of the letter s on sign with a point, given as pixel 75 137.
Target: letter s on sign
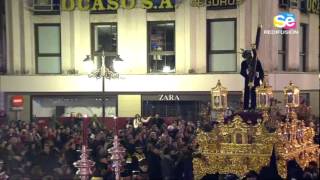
pixel 147 4
pixel 279 21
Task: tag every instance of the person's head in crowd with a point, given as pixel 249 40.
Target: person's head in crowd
pixel 251 175
pixel 46 148
pixel 157 115
pixel 153 135
pixel 137 116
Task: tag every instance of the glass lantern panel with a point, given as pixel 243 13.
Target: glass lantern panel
pixel 216 101
pixel 296 99
pixel 263 99
pixel 222 102
pixel 290 98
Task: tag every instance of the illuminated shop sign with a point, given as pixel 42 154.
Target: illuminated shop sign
pixel 305 6
pixel 17 102
pixel 169 97
pixel 101 5
pixel 216 4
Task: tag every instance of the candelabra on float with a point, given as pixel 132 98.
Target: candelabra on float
pixel 3 175
pixel 117 153
pixel 291 93
pixel 264 95
pixel 219 101
pixel 84 165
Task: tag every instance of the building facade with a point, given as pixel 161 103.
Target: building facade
pixel 174 52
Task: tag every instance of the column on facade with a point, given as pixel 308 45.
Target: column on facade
pixel 182 33
pixel 28 60
pixel 132 38
pixel 248 21
pixel 67 60
pixel 243 37
pixel 313 43
pixel 268 50
pixel 198 36
pixel 14 27
pixel 293 45
pixel 80 39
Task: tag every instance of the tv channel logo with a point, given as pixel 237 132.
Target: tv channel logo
pixel 285 20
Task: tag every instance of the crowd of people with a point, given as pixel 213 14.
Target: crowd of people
pixel 155 149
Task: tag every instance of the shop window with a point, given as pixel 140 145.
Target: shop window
pixel 282 53
pixel 161 47
pixel 221 43
pixel 302 47
pixel 188 110
pixel 67 106
pixel 48 48
pixel 104 40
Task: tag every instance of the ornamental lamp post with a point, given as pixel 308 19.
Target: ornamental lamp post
pixel 219 101
pixel 291 95
pixel 103 68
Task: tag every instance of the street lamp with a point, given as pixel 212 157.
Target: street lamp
pixel 107 70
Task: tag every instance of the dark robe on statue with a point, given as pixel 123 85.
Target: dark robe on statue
pixel 247 71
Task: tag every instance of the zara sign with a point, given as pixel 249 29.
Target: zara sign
pixel 169 97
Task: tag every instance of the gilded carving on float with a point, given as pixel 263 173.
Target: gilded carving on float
pixel 238 146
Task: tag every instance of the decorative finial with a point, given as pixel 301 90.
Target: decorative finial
pixel 219 83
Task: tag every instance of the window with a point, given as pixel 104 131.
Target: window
pixel 221 42
pixel 161 47
pixel 104 40
pixel 282 52
pixel 48 48
pixel 302 45
pixel 43 7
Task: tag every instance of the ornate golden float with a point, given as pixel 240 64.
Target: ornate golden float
pixel 240 145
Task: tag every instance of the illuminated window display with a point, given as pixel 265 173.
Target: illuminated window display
pixel 161 47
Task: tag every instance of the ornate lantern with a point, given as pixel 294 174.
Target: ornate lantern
pixel 219 99
pixel 291 93
pixel 264 94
